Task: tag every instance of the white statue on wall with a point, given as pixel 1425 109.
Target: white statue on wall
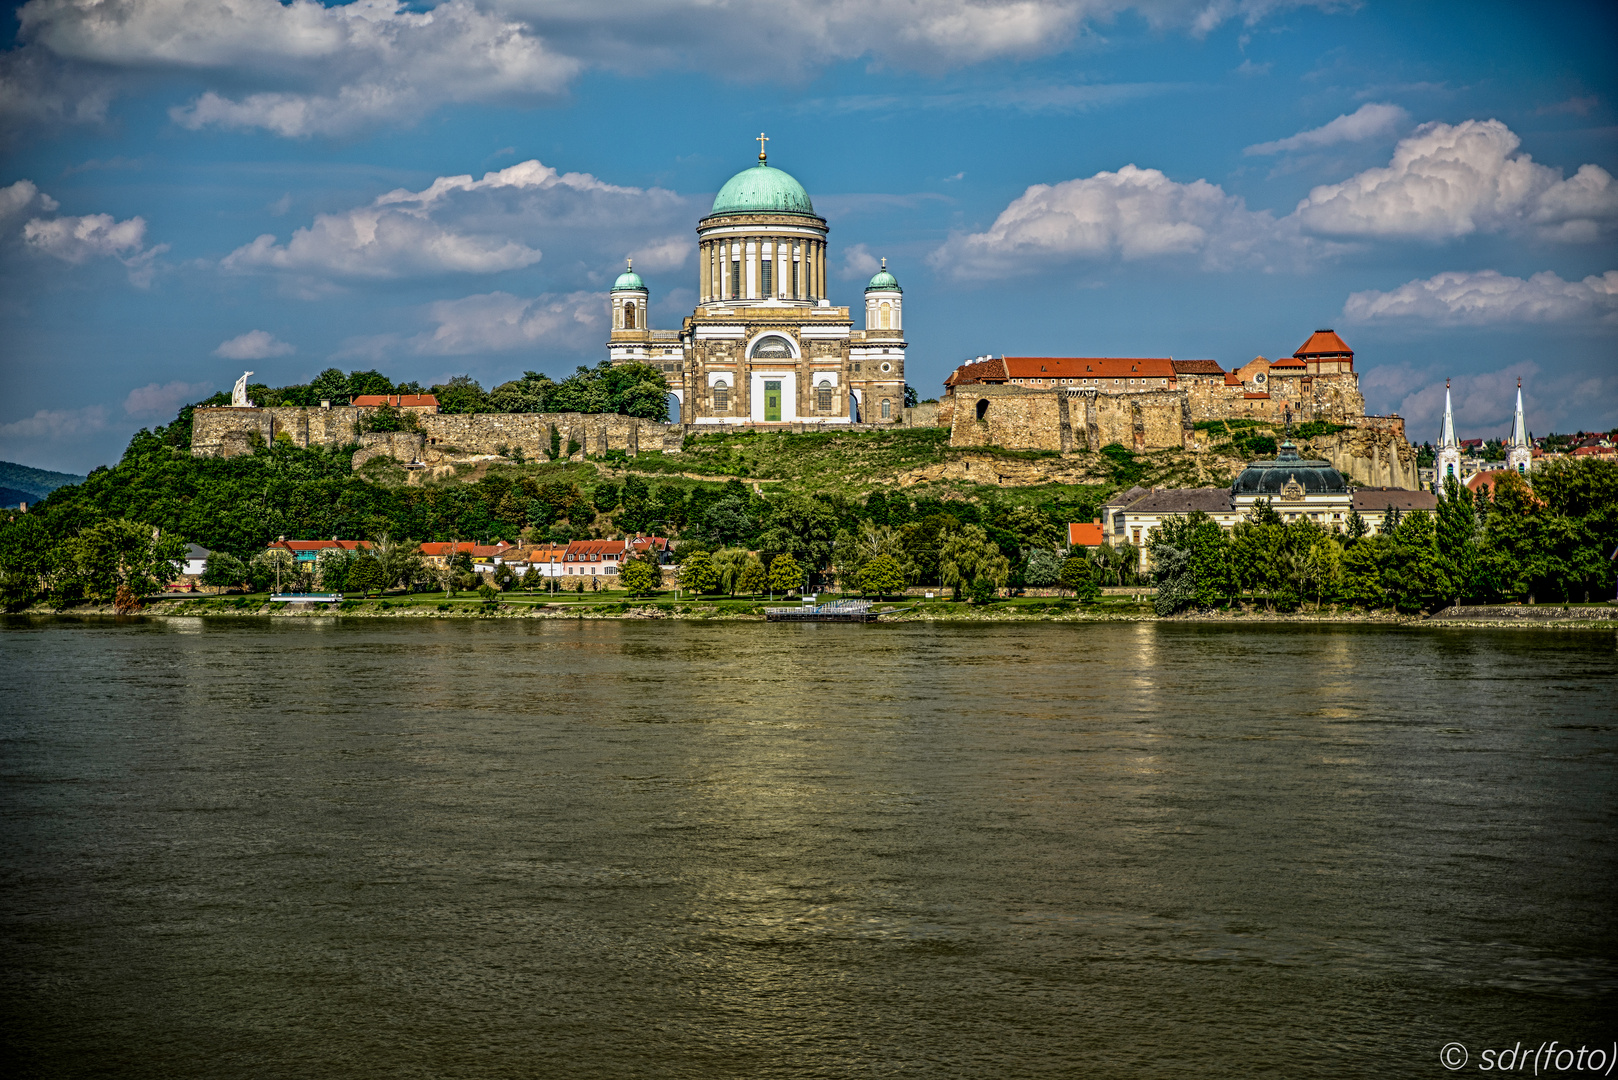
pixel 238 396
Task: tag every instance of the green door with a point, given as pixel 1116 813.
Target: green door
pixel 772 401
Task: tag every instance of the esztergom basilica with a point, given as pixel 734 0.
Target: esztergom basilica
pixel 765 344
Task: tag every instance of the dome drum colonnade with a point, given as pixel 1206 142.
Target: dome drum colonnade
pixel 765 345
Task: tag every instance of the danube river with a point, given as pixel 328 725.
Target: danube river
pixel 422 848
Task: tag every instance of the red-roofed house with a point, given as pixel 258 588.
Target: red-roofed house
pixel 307 551
pixel 593 557
pixel 1085 534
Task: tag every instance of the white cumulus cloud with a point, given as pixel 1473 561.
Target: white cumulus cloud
pixel 1486 297
pixel 1444 182
pixel 1450 180
pixel 253 345
pixel 461 225
pixel 501 322
pixel 54 424
pixel 1133 213
pixel 301 68
pixel 162 399
pixel 76 240
pixel 1367 122
pixel 21 197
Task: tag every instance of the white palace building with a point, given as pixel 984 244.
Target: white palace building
pixel 765 345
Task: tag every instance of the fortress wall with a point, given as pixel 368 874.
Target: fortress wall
pixel 1016 418
pixel 227 432
pixel 1147 420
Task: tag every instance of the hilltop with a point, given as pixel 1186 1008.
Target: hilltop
pixel 21 483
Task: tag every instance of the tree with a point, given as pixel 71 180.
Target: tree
pixel 120 561
pixel 223 570
pixel 396 559
pixel 754 578
pixel 881 575
pixel 697 573
pixel 802 527
pixel 1043 569
pixel 910 396
pixel 490 595
pixel 729 563
pixel 641 575
pixel 1079 575
pixel 1457 533
pixel 366 575
pixel 525 395
pixel 504 577
pixel 966 555
pixel 531 580
pixel 1417 579
pixel 462 394
pixel 331 569
pixel 786 574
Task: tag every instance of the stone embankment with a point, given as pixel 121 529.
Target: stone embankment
pixel 1527 613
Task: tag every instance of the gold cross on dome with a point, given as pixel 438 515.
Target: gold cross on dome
pixel 762 139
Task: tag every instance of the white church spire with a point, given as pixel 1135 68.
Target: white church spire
pixel 1519 452
pixel 1448 459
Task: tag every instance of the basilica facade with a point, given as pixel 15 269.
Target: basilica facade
pixel 765 344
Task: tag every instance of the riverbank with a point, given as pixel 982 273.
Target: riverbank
pixel 1016 610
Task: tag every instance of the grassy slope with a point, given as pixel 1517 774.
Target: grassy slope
pixel 855 463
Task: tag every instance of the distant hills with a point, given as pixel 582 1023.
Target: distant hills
pixel 21 484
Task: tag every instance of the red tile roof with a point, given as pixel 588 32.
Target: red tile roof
pixel 1256 397
pixel 1005 368
pixel 1198 367
pixel 991 370
pixel 583 550
pixel 1084 534
pixel 1287 362
pixel 398 401
pixel 1491 477
pixel 320 545
pixel 1087 367
pixel 1232 379
pixel 1324 343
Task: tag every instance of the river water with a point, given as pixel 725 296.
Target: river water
pixel 424 848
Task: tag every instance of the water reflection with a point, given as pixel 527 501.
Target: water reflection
pixel 595 848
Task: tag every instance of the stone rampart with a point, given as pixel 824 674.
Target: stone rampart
pixel 227 432
pixel 1020 418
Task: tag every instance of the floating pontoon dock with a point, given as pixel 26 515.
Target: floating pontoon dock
pixel 836 611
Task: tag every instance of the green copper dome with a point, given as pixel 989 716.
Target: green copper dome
pixel 884 280
pixel 762 190
pixel 629 280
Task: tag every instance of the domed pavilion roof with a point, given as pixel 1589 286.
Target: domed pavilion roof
pixel 629 280
pixel 1267 478
pixel 884 281
pixel 762 190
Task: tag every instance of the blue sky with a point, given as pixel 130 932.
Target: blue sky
pixel 191 189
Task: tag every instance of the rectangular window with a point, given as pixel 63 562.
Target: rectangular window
pixel 795 293
pixel 735 279
pixel 721 398
pixel 765 282
pixel 823 398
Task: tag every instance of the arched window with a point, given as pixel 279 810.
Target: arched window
pixel 887 409
pixel 721 397
pixel 983 408
pixel 629 316
pixel 823 397
pixel 885 317
pixel 772 348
